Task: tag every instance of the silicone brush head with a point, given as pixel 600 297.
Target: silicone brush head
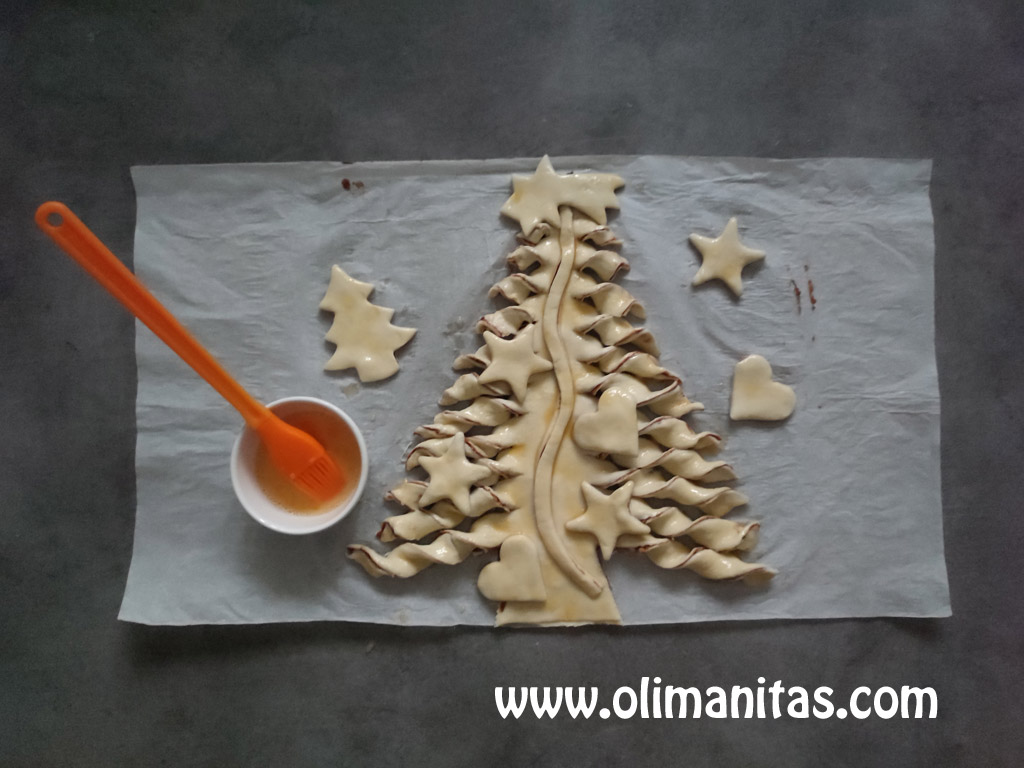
pixel 301 458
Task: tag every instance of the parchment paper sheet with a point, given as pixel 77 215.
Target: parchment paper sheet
pixel 847 490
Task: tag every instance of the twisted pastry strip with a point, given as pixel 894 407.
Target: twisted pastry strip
pixel 712 532
pixel 408 559
pixel 690 470
pixel 418 523
pixel 605 264
pixel 588 383
pixel 482 412
pixel 538 233
pixel 501 469
pixel 505 322
pixel 450 547
pixel 525 257
pixel 468 387
pixel 481 499
pixel 630 385
pixel 714 501
pixel 509 434
pixel 672 432
pixel 642 364
pixel 503 436
pixel 612 299
pixel 676 461
pixel 428 431
pixel 671 554
pixel 672 402
pixel 408 493
pixel 585 348
pixel 487 445
pixel 724 504
pixel 479 359
pixel 517 288
pixel 617 332
pixel 590 231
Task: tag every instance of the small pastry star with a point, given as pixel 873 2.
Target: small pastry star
pixel 452 475
pixel 607 517
pixel 536 198
pixel 514 361
pixel 724 257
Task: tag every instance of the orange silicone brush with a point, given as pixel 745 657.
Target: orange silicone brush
pixel 296 454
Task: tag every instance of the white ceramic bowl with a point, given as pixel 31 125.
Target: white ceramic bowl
pixel 254 498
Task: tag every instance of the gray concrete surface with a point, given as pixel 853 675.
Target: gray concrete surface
pixel 89 88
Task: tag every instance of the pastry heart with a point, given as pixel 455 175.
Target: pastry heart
pixel 754 394
pixel 516 575
pixel 612 429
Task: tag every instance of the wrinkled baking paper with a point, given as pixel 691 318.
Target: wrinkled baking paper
pixel 847 490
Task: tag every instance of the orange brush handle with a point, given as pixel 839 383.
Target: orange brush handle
pixel 75 239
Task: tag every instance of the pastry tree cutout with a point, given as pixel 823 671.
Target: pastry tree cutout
pixel 724 257
pixel 574 429
pixel 365 338
pixel 755 396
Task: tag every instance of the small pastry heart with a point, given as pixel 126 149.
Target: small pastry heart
pixel 516 575
pixel 754 394
pixel 612 429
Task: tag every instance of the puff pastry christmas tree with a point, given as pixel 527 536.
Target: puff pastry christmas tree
pixel 565 439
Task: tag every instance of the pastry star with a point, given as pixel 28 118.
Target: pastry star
pixel 452 475
pixel 724 257
pixel 607 517
pixel 536 198
pixel 514 361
